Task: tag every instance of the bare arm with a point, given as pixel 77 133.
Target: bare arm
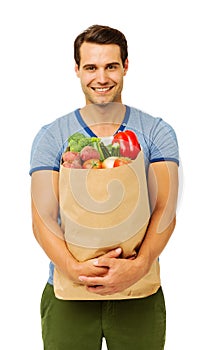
pixel 45 206
pixel 163 192
pixel 163 189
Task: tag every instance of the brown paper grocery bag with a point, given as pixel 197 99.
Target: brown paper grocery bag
pixel 102 209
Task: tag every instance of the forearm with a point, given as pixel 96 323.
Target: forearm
pixel 155 241
pixel 50 237
pixel 45 207
pixel 163 192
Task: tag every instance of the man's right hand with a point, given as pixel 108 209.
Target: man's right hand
pixel 87 268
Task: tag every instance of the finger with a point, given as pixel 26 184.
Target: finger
pixel 96 289
pixel 90 281
pixel 102 262
pixel 113 253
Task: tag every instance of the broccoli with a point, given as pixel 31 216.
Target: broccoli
pixel 76 137
pixel 74 146
pixel 78 141
pixel 84 142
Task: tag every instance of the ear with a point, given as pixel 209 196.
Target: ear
pixel 125 66
pixel 77 70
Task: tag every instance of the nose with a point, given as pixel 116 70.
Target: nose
pixel 101 76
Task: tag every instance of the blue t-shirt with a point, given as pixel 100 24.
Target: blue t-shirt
pixel 156 137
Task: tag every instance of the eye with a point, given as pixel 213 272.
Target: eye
pixel 112 67
pixel 90 68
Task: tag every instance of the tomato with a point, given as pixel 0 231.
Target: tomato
pixel 92 164
pixel 128 142
pixel 121 161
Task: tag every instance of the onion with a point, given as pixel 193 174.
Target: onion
pixel 108 162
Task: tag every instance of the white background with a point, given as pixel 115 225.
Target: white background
pixel 171 75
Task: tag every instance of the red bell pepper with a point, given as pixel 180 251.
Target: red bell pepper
pixel 128 143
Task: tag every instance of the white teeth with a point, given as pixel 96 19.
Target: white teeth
pixel 102 89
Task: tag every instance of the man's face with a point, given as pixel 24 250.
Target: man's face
pixel 101 73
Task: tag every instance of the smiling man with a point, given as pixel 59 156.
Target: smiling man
pixel 113 295
pixel 101 72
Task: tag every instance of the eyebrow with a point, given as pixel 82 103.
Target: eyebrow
pixel 108 64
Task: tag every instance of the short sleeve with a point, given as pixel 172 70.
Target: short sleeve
pixel 163 143
pixel 46 151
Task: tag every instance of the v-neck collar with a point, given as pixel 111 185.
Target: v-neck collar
pixel 91 133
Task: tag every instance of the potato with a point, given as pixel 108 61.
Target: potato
pixel 88 152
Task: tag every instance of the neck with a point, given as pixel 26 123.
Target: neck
pixel 103 119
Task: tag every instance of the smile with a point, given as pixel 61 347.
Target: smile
pixel 102 89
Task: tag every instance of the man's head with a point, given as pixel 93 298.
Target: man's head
pixel 101 63
pixel 99 34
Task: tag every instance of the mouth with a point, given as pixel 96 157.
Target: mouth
pixel 102 89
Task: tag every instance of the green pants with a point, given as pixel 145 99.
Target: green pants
pixel 133 324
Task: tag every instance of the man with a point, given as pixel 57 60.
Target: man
pixel 132 322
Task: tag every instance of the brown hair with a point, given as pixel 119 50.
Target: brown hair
pixel 100 34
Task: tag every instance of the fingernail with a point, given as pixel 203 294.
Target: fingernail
pixel 118 250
